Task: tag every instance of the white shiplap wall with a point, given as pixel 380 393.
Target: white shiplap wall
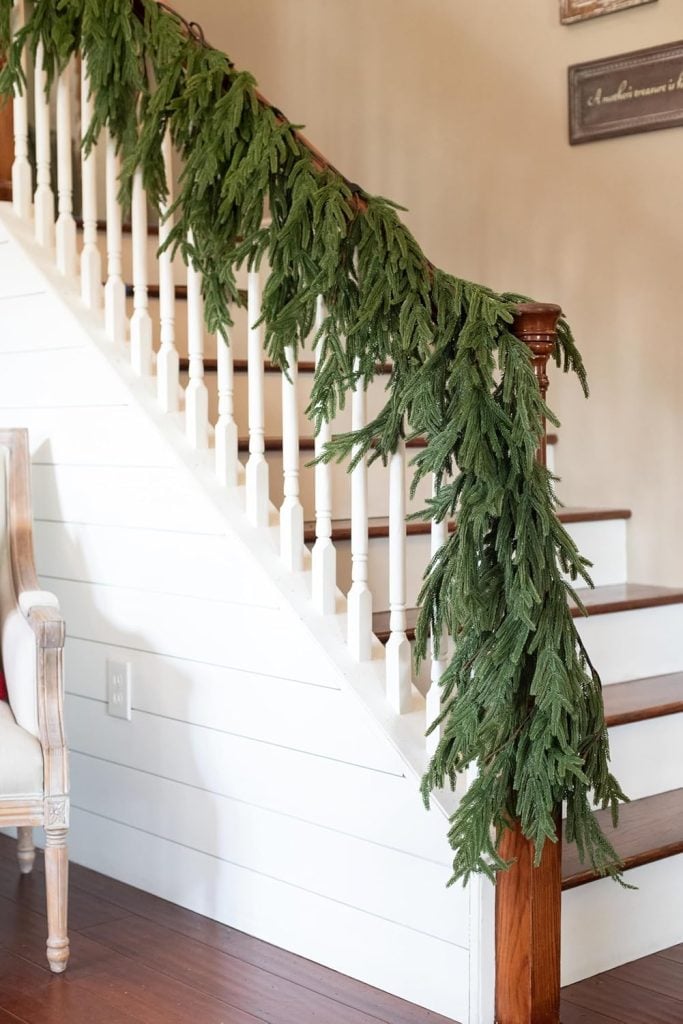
pixel 251 785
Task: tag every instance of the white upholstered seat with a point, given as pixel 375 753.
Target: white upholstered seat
pixel 34 771
pixel 21 758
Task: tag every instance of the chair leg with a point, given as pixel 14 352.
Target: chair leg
pixel 57 886
pixel 26 851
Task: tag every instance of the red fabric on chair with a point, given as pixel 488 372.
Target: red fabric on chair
pixel 3 686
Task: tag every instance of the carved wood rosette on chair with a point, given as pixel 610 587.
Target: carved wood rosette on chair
pixel 34 776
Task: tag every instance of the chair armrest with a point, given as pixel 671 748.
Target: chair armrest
pixel 37 598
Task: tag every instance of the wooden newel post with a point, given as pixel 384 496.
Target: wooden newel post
pixel 528 898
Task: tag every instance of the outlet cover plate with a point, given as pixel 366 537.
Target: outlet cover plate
pixel 119 689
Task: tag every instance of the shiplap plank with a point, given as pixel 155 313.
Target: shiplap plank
pixel 137 496
pixel 57 379
pixel 269 709
pixel 408 963
pixel 265 639
pixel 89 436
pixel 379 805
pixel 192 565
pixel 17 274
pixel 36 324
pixel 385 882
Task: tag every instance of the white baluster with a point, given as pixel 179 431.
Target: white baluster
pixel 226 441
pixel 291 511
pixel 196 395
pixel 257 467
pixel 21 167
pixel 398 656
pixel 359 607
pixel 168 378
pixel 141 321
pixel 91 261
pixel 439 535
pixel 324 555
pixel 44 199
pixel 66 225
pixel 114 289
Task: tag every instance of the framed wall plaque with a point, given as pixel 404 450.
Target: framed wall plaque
pixel 579 10
pixel 633 92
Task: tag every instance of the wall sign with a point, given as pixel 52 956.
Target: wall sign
pixel 633 92
pixel 579 10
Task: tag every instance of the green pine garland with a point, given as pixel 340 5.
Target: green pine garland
pixel 520 696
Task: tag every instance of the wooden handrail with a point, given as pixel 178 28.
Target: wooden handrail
pixel 528 898
pixel 194 29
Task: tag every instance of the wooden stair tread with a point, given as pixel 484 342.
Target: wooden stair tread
pixel 640 699
pixel 584 514
pixel 307 444
pixel 600 601
pixel 241 365
pixel 181 296
pixel 378 526
pixel 625 597
pixel 649 830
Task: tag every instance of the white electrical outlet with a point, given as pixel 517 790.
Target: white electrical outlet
pixel 118 689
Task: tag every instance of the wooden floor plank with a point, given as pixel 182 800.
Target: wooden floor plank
pixel 570 1013
pixel 29 993
pixel 116 899
pixel 673 953
pixel 10 1018
pixel 249 988
pixel 137 959
pixel 84 910
pixel 626 1003
pixel 309 975
pixel 100 984
pixel 649 830
pixel 656 973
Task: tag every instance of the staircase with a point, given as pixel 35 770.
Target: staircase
pixel 268 776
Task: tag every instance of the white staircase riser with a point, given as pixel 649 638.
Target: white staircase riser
pixel 635 644
pixel 604 542
pixel 647 757
pixel 604 925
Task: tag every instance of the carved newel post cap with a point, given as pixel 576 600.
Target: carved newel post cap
pixel 536 322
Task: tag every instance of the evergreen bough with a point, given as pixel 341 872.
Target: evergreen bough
pixel 521 698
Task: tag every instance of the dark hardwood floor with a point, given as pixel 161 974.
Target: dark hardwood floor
pixel 139 960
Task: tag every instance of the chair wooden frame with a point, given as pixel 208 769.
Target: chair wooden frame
pixel 51 811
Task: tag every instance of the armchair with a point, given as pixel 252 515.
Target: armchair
pixel 34 781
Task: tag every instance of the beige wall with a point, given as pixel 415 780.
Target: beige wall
pixel 458 110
